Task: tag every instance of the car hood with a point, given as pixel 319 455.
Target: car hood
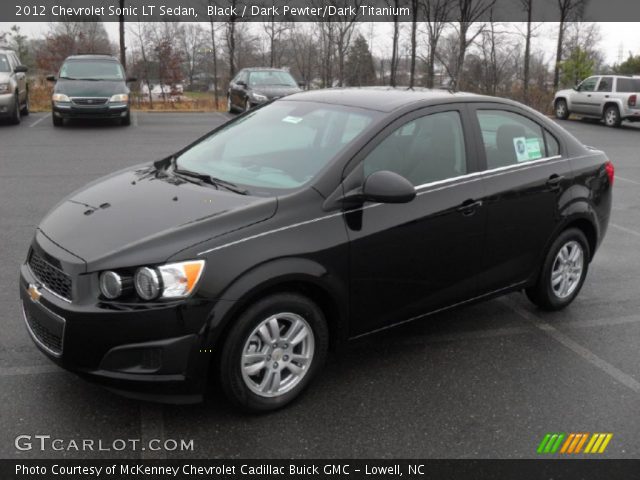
pixel 565 92
pixel 144 216
pixel 4 77
pixel 275 91
pixel 90 88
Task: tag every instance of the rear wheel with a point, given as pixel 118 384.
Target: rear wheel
pixel 612 116
pixel 561 109
pixel 273 351
pixel 563 272
pixel 15 117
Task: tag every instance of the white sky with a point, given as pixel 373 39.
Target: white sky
pixel 614 36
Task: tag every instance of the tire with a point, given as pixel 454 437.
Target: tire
pixel 553 294
pixel 126 120
pixel 25 109
pixel 15 117
pixel 230 107
pixel 57 121
pixel 611 116
pixel 562 109
pixel 250 382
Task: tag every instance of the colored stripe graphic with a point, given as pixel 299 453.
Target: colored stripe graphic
pixel 573 443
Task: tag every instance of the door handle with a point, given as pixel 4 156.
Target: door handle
pixel 554 180
pixel 469 207
pixel 589 95
pixel 606 96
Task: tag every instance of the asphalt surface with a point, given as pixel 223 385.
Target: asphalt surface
pixel 485 381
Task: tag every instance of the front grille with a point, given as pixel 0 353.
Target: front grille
pixel 90 101
pixel 51 277
pixel 44 335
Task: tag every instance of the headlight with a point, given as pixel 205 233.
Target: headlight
pixel 60 97
pixel 120 97
pixel 110 285
pixel 147 281
pixel 174 280
pixel 258 97
pixel 4 87
pixel 180 279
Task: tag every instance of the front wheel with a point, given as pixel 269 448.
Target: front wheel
pixel 273 351
pixel 563 272
pixel 16 118
pixel 612 116
pixel 25 108
pixel 562 110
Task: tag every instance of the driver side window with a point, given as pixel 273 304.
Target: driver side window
pixel 589 85
pixel 425 150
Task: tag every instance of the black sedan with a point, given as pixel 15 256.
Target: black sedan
pixel 349 211
pixel 254 86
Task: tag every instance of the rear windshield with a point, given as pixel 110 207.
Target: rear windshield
pixel 4 63
pixel 91 70
pixel 628 85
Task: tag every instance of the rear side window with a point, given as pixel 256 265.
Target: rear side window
pixel 605 85
pixel 628 85
pixel 511 139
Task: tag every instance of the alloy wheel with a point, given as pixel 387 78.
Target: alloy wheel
pixel 567 269
pixel 277 354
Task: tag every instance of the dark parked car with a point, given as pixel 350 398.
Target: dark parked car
pixel 348 212
pixel 90 86
pixel 255 86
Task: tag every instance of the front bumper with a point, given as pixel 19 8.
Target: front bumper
pixel 151 353
pixel 7 104
pixel 107 110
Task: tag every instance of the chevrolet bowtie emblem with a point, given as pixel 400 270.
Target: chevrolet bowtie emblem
pixel 34 293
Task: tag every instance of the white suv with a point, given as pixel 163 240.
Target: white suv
pixel 612 98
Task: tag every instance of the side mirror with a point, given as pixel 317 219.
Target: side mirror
pixel 241 83
pixel 51 78
pixel 302 84
pixel 21 69
pixel 388 187
pixel 132 79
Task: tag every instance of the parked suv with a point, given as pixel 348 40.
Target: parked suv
pixel 254 86
pixel 612 98
pixel 90 86
pixel 14 91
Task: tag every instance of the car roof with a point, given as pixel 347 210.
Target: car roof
pixel 6 50
pixel 385 99
pixel 92 57
pixel 265 69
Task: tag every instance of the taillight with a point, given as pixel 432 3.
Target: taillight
pixel 632 100
pixel 610 169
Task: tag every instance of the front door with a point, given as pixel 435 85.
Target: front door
pixel 583 100
pixel 413 258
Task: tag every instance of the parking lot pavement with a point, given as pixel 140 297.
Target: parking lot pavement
pixel 483 381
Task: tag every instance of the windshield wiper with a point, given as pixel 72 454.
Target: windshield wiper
pixel 216 182
pixel 68 78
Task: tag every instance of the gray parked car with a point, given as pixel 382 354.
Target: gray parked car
pixel 612 98
pixel 14 91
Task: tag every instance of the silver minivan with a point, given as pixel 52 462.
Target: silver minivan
pixel 14 91
pixel 612 98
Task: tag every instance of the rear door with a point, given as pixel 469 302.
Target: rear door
pixel 524 180
pixel 602 94
pixel 409 259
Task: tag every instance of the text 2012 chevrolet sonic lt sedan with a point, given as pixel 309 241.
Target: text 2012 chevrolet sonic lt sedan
pixel 308 222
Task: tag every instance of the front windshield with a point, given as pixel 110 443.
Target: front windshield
pixel 4 64
pixel 281 146
pixel 92 70
pixel 271 77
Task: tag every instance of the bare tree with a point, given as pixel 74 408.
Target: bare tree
pixel 191 42
pixel 274 31
pixel 436 12
pixel 469 12
pixel 123 54
pixel 141 35
pixel 415 10
pixel 528 7
pixel 569 9
pixel 214 57
pixel 394 48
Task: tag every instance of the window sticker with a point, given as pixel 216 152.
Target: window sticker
pixel 290 119
pixel 527 149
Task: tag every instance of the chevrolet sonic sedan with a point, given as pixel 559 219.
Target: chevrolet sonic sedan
pixel 306 223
